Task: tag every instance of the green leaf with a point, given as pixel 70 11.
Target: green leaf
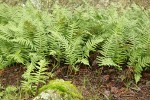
pixel 108 62
pixel 137 77
pixel 84 61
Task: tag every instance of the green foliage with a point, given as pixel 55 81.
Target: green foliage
pixel 21 35
pixel 69 34
pixel 67 90
pixel 62 33
pixel 34 76
pixel 9 93
pixel 129 42
pixel 30 36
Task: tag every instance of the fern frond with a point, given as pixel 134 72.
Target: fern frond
pixel 114 48
pixel 24 42
pixel 33 79
pixel 17 56
pixel 108 62
pixel 40 75
pixel 91 45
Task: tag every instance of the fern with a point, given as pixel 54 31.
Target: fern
pixel 91 44
pixel 19 38
pixel 128 41
pixel 33 78
pixel 9 93
pixel 115 50
pixel 70 33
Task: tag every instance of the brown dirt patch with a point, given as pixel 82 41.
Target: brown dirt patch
pixel 106 84
pixel 11 75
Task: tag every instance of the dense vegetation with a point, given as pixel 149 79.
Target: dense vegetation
pixel 68 35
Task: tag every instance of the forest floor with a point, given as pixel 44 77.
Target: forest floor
pixel 98 84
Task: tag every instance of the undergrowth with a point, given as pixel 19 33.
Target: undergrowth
pixel 29 36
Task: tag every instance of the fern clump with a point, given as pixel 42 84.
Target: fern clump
pixel 21 35
pixel 69 34
pixel 128 42
pixel 34 31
